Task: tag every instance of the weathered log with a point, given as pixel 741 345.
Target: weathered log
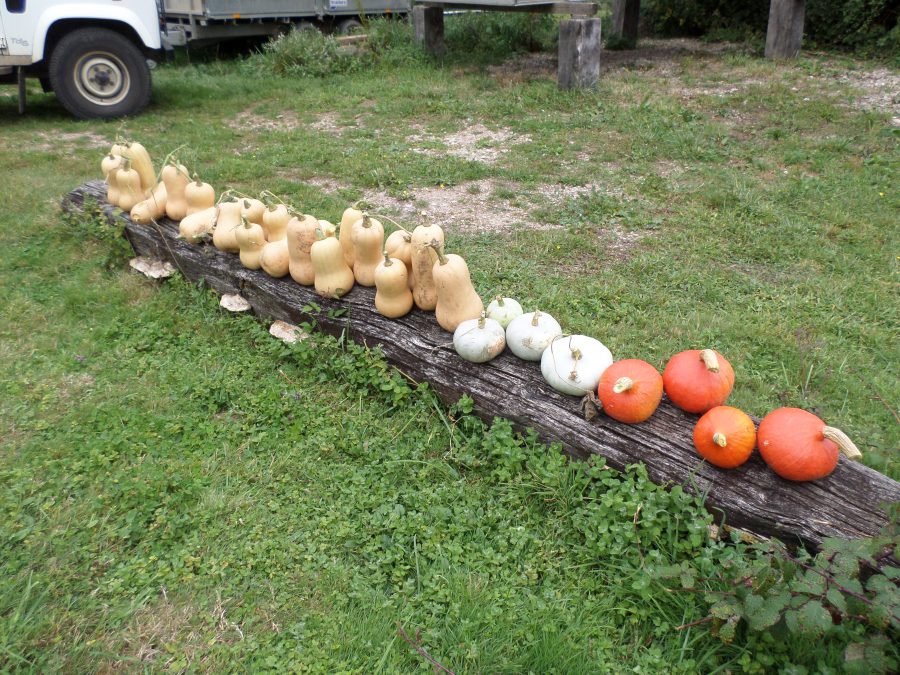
pixel 847 504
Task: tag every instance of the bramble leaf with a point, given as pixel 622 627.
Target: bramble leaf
pixel 763 612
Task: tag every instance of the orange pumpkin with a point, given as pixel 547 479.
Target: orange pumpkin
pixel 797 445
pixel 630 390
pixel 698 379
pixel 725 436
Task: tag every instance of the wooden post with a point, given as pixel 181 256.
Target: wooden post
pixel 625 21
pixel 785 33
pixel 428 26
pixel 579 53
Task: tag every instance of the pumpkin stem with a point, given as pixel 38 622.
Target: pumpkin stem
pixel 843 441
pixel 482 319
pixel 623 384
pixel 535 317
pixel 719 439
pixel 710 360
pixel 499 299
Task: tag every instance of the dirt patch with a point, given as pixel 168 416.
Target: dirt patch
pixel 48 141
pixel 474 143
pixel 465 208
pixel 491 206
pixel 879 91
pixel 331 123
pixel 251 121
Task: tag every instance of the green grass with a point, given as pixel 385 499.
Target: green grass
pixel 180 491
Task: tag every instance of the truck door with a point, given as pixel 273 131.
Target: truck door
pixel 15 30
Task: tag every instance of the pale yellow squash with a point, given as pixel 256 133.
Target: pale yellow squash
pixel 423 260
pixel 333 277
pixel 393 298
pixel 368 243
pixel 199 196
pixel 227 222
pixel 199 226
pixel 250 239
pixel 457 300
pixel 301 234
pixel 176 178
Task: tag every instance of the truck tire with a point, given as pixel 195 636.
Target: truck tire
pixel 98 73
pixel 350 27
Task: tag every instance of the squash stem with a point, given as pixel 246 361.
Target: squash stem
pixel 482 319
pixel 535 317
pixel 387 259
pixel 439 250
pixel 719 439
pixel 846 446
pixel 499 299
pixel 710 360
pixel 623 384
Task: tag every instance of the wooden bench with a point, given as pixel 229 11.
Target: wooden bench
pixel 783 36
pixel 579 37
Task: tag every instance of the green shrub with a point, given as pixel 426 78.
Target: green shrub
pixel 309 53
pixel 496 34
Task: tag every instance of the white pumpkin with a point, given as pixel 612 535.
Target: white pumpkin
pixel 479 340
pixel 573 364
pixel 528 335
pixel 503 310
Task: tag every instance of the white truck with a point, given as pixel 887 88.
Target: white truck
pixel 96 55
pixel 92 53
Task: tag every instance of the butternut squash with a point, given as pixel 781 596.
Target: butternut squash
pixel 333 277
pixel 274 221
pixel 140 161
pixel 457 300
pixel 348 220
pixel 130 191
pixel 393 298
pixel 250 239
pixel 368 243
pixel 199 196
pixel 275 259
pixel 227 222
pixel 199 226
pixel 152 208
pixel 112 184
pixel 423 261
pixel 399 245
pixel 176 178
pixel 301 234
pixel 253 210
pixel 109 164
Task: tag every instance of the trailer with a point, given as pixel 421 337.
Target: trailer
pixel 206 21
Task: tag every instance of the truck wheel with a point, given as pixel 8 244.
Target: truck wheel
pixel 350 27
pixel 98 73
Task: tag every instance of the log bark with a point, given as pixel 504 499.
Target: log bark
pixel 847 504
pixel 785 32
